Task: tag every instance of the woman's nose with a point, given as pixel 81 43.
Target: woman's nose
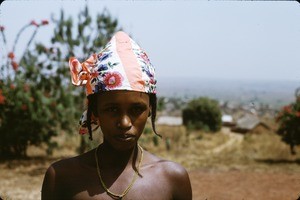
pixel 124 122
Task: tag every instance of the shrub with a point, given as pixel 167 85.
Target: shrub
pixel 202 113
pixel 37 99
pixel 29 110
pixel 289 123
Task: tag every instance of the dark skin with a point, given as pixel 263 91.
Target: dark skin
pixel 122 116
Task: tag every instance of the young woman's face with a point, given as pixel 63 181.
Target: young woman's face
pixel 122 116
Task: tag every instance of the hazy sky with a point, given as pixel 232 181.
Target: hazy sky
pixel 197 39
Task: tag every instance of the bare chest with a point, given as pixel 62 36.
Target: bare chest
pixel 149 186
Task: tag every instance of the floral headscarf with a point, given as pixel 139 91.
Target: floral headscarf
pixel 120 65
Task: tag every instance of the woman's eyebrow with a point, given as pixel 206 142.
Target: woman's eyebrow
pixel 110 104
pixel 141 103
pixel 117 103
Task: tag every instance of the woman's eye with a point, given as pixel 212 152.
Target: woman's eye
pixel 111 109
pixel 138 109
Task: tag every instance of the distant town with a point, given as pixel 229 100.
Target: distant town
pixel 246 105
pixel 234 93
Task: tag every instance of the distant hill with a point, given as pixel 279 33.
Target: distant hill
pixel 274 93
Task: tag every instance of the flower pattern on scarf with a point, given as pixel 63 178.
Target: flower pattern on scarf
pixel 112 80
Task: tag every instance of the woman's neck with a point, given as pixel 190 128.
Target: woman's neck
pixel 110 157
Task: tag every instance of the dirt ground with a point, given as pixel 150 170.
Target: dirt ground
pixel 239 185
pixel 23 179
pixel 223 166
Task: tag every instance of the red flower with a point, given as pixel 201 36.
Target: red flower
pixel 45 22
pixel 24 107
pixel 15 65
pixel 113 80
pixel 298 114
pixel 34 23
pixel 12 86
pixel 11 55
pixel 287 109
pixel 2 98
pixel 2 28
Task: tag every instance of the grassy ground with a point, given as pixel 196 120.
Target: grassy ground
pixel 226 150
pixel 219 160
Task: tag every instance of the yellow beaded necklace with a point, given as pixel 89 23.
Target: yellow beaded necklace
pixel 136 172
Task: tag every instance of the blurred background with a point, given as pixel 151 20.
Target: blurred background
pixel 228 90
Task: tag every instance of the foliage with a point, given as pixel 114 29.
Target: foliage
pixel 161 103
pixel 91 36
pixel 25 106
pixel 289 123
pixel 36 97
pixel 202 114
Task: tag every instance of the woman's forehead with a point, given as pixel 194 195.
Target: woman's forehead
pixel 123 96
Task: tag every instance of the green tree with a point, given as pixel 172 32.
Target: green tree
pixel 37 100
pixel 25 116
pixel 203 114
pixel 289 123
pixel 83 39
pixel 161 103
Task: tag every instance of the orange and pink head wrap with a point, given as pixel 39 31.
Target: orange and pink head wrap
pixel 121 65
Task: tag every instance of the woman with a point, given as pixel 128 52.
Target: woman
pixel 120 86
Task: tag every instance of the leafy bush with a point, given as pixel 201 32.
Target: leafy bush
pixel 289 123
pixel 37 99
pixel 25 106
pixel 202 113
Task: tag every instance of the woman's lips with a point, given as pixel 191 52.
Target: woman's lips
pixel 125 137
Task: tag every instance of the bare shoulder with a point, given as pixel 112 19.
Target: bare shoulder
pixel 68 164
pixel 167 167
pixel 171 173
pixel 60 174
